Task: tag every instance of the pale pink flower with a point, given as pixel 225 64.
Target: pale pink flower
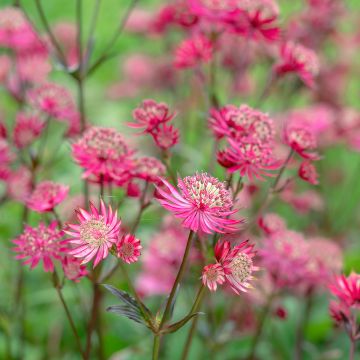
pixel 305 201
pixel 53 100
pixel 95 234
pixel 347 289
pixel 150 115
pixel 203 203
pixel 73 269
pixel 33 68
pixel 28 127
pixel 298 59
pixel 215 10
pixel 212 275
pixel 19 184
pixel 40 243
pixel 139 21
pixel 46 196
pixel 272 223
pixel 6 155
pixel 237 263
pixel 128 248
pixel 166 136
pixel 193 51
pixel 307 172
pixel 102 152
pixel 149 169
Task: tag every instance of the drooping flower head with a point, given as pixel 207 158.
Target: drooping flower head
pixel 193 52
pixel 150 115
pixel 52 99
pixel 149 169
pixel 40 243
pixel 298 59
pixel 128 248
pixel 307 172
pixel 237 263
pixel 102 152
pixel 212 276
pixel 95 234
pixel 347 289
pixel 203 203
pixel 27 129
pixel 73 269
pixel 46 196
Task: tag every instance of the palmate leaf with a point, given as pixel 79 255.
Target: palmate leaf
pixel 123 296
pixel 176 326
pixel 128 312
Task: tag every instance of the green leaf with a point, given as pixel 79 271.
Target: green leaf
pixel 127 311
pixel 123 296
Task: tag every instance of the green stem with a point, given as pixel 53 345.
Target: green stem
pixel 156 347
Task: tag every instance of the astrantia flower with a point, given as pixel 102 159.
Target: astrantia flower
pixel 250 159
pixel 150 115
pixel 101 152
pixel 33 68
pixel 237 264
pixel 166 136
pixel 73 269
pixel 347 289
pixel 242 123
pixel 298 59
pixel 214 10
pixel 203 203
pixel 128 248
pixel 6 156
pixel 52 99
pixel 272 223
pixel 95 234
pixel 46 196
pixel 193 52
pixel 307 171
pixel 213 275
pixel 28 128
pixel 40 243
pixel 19 184
pixel 149 169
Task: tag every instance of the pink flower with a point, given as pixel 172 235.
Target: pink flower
pixel 339 312
pixel 52 99
pixel 237 264
pixel 73 270
pixel 128 248
pixel 95 234
pixel 33 68
pixel 194 51
pixel 40 243
pixel 102 152
pixel 347 289
pixel 28 127
pixel 149 169
pixel 298 59
pixel 213 275
pixel 271 223
pixel 19 184
pixel 250 159
pixel 6 156
pixel 214 10
pixel 150 115
pixel 243 123
pixel 166 136
pixel 203 203
pixel 46 196
pixel 307 172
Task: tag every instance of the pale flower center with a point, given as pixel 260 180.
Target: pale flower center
pixel 212 274
pixel 241 267
pixel 127 250
pixel 94 232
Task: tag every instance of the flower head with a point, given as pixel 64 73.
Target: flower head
pixel 27 129
pixel 307 172
pixel 40 243
pixel 19 184
pixel 214 10
pixel 46 196
pixel 150 115
pixel 213 275
pixel 347 289
pixel 52 99
pixel 237 264
pixel 95 234
pixel 149 169
pixel 166 136
pixel 203 203
pixel 300 60
pixel 194 51
pixel 73 269
pixel 102 152
pixel 271 223
pixel 128 248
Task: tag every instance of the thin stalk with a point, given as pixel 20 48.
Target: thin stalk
pixel 106 53
pixel 68 314
pixel 352 348
pixel 141 209
pixel 260 326
pixel 156 347
pixel 57 218
pixel 278 177
pixel 79 21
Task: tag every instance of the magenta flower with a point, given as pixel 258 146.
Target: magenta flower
pixel 150 115
pixel 19 184
pixel 149 169
pixel 27 129
pixel 193 52
pixel 33 68
pixel 102 152
pixel 46 196
pixel 213 275
pixel 237 264
pixel 272 223
pixel 214 10
pixel 307 172
pixel 73 269
pixel 203 203
pixel 128 248
pixel 53 100
pixel 41 243
pixel 95 234
pixel 166 136
pixel 347 289
pixel 298 59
